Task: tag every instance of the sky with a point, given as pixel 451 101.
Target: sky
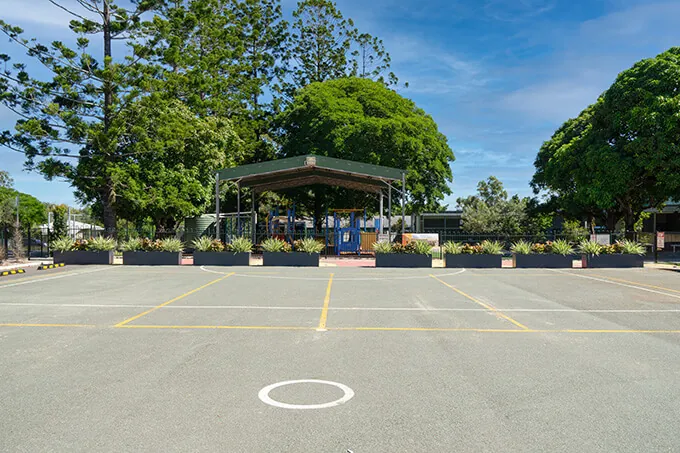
pixel 498 76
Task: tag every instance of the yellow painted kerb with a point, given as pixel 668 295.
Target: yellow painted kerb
pixel 121 324
pixel 326 302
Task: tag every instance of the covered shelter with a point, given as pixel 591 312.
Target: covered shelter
pixel 308 170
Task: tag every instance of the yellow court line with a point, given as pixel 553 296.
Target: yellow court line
pixel 326 301
pixel 136 326
pixel 44 325
pixel 488 307
pixel 123 323
pixel 429 329
pixel 606 277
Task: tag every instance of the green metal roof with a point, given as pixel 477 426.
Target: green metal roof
pixel 305 170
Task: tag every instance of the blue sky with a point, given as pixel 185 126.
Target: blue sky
pixel 498 76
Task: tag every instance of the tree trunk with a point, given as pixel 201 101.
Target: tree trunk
pixel 319 197
pixel 109 210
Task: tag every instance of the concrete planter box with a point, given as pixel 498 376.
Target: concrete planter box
pixel 221 259
pixel 299 259
pixel 402 260
pixel 541 260
pixel 474 261
pixel 152 258
pixel 616 260
pixel 83 257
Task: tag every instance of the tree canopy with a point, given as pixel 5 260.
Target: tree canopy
pixel 362 120
pixel 621 154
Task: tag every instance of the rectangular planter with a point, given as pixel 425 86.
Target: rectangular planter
pixel 547 260
pixel 617 260
pixel 474 261
pixel 221 259
pixel 83 257
pixel 152 258
pixel 402 260
pixel 300 259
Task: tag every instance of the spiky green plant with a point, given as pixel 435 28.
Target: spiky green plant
pixel 521 247
pixel 171 245
pixel 101 244
pixel 241 245
pixel 206 244
pixel 382 247
pixel 309 245
pixel 492 247
pixel 453 248
pixel 131 245
pixel 589 247
pixel 63 244
pixel 419 248
pixel 631 247
pixel 274 245
pixel 562 247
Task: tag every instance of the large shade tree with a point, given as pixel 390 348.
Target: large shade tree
pixel 362 120
pixel 621 154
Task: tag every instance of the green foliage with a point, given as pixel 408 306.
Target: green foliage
pixel 101 244
pixel 419 247
pixel 631 247
pixel 58 222
pixel 452 248
pixel 206 244
pixel 491 247
pixel 573 231
pixel 31 210
pixel 308 245
pixel 171 245
pixel 382 247
pixel 588 247
pixel 561 247
pixel 521 247
pixel 241 245
pixel 361 120
pixel 275 245
pixel 6 180
pixel 131 245
pixel 621 154
pixel 62 244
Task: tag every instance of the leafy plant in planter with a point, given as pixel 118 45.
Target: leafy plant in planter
pixel 413 254
pixel 213 252
pixel 143 251
pixel 240 245
pixel 98 250
pixel 63 244
pixel 549 255
pixel 562 247
pixel 382 247
pixel 491 247
pixel 280 253
pixel 308 245
pixel 624 253
pixel 453 248
pixel 206 244
pixel 484 255
pixel 274 245
pixel 522 247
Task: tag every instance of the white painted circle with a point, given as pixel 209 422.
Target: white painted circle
pixel 264 395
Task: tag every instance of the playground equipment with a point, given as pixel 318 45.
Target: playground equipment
pixel 352 239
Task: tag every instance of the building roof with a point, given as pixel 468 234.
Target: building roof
pixel 306 170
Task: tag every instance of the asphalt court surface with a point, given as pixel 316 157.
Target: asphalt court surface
pixel 118 358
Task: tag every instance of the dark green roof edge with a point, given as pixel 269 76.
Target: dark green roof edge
pixel 292 163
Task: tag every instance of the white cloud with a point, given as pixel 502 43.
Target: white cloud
pixel 39 12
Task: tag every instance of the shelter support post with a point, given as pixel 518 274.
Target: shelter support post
pixel 382 196
pixel 238 208
pixel 654 245
pixel 217 205
pixel 389 213
pixel 253 216
pixel 403 204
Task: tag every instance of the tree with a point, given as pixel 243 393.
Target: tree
pixel 59 229
pixel 70 124
pixel 6 180
pixel 361 120
pixel 327 46
pixel 621 154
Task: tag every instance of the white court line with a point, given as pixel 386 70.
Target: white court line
pixel 415 309
pixel 676 296
pixel 325 279
pixel 57 277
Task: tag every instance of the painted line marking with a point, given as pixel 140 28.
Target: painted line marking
pixel 636 283
pixel 326 301
pixel 676 296
pixel 41 278
pixel 488 307
pixel 44 325
pixel 136 326
pixel 348 394
pixel 123 323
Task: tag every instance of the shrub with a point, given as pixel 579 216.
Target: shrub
pixel 171 245
pixel 101 244
pixel 309 245
pixel 521 247
pixel 62 244
pixel 3 253
pixel 17 246
pixel 206 244
pixel 561 247
pixel 589 247
pixel 80 245
pixel 471 249
pixel 453 248
pixel 382 247
pixel 241 245
pixel 275 245
pixel 541 248
pixel 419 248
pixel 491 247
pixel 631 247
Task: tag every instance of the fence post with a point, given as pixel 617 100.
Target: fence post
pixel 29 241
